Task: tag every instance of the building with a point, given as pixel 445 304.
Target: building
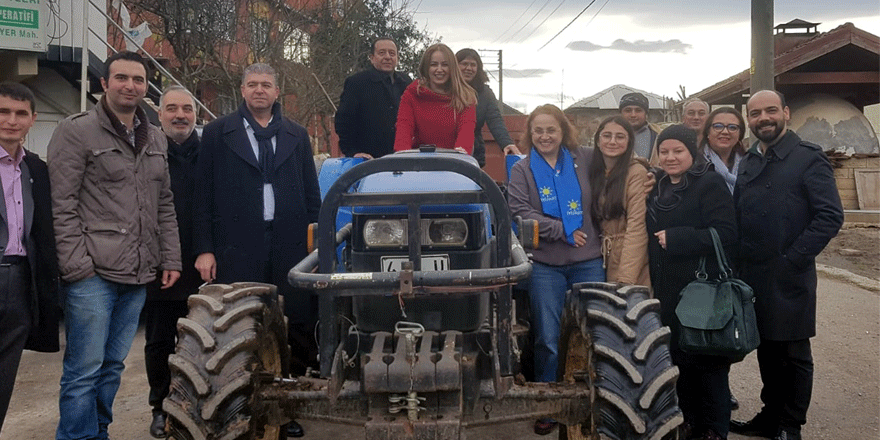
pixel 588 112
pixel 828 79
pixel 43 50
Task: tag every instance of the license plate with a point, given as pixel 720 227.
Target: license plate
pixel 429 262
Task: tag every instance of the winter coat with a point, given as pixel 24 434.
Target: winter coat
pixel 523 199
pixel 703 201
pixel 367 112
pixel 488 113
pixel 182 169
pixel 112 201
pixel 229 220
pixel 426 118
pixel 624 239
pixel 788 209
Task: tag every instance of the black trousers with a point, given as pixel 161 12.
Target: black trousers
pixel 300 335
pixel 703 389
pixel 160 321
pixel 15 323
pixel 787 374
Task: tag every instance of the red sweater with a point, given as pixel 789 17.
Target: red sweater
pixel 426 117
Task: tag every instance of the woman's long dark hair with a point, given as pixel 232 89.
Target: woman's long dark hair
pixel 480 79
pixel 613 186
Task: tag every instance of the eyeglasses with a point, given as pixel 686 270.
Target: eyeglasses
pixel 619 137
pixel 540 131
pixel 719 127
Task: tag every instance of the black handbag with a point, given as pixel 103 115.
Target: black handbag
pixel 717 316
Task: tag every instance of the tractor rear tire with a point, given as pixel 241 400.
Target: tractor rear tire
pixel 234 338
pixel 613 340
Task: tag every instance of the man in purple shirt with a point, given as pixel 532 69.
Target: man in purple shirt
pixel 28 271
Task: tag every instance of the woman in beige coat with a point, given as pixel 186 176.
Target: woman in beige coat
pixel 617 181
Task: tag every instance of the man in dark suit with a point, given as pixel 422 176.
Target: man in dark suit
pixel 788 209
pixel 257 193
pixel 367 112
pixel 28 267
pixel 163 307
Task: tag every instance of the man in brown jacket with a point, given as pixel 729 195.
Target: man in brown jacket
pixel 114 225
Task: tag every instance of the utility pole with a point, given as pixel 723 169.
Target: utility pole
pixel 500 70
pixel 762 69
pixel 500 76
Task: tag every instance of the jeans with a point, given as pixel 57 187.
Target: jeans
pixel 100 320
pixel 547 288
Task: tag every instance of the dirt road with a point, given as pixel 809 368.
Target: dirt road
pixel 846 393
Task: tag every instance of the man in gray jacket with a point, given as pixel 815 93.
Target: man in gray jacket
pixel 114 225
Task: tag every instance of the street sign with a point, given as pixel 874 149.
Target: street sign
pixel 23 25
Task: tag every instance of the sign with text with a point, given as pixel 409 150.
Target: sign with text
pixel 23 25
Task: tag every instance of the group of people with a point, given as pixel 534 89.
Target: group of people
pixel 129 217
pixel 637 209
pixel 382 110
pixel 774 207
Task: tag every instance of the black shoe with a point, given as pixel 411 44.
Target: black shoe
pixel 157 427
pixel 784 434
pixel 759 426
pixel 294 429
pixel 734 404
pixel 685 431
pixel 544 426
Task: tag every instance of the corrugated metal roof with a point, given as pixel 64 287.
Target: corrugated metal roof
pixel 609 98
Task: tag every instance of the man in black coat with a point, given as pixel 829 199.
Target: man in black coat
pixel 367 112
pixel 163 307
pixel 788 209
pixel 28 267
pixel 257 193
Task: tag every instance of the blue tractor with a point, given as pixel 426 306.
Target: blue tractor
pixel 414 267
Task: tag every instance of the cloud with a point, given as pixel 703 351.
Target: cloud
pixel 659 46
pixel 584 46
pixel 525 73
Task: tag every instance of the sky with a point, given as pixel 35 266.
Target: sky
pixel 652 45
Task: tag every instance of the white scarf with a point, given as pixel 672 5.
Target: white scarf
pixel 729 174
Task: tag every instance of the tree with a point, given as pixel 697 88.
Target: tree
pixel 340 44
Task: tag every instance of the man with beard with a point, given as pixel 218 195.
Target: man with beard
pixel 634 108
pixel 177 114
pixel 258 192
pixel 115 230
pixel 788 209
pixel 367 114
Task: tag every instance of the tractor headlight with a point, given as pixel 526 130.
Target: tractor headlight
pixel 385 233
pixel 443 232
pixel 446 231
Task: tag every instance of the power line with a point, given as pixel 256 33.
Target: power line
pixel 530 20
pixel 542 22
pixel 515 21
pixel 574 19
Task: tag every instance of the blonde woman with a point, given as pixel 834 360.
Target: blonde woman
pixel 438 108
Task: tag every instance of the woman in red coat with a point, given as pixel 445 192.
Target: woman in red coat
pixel 439 108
